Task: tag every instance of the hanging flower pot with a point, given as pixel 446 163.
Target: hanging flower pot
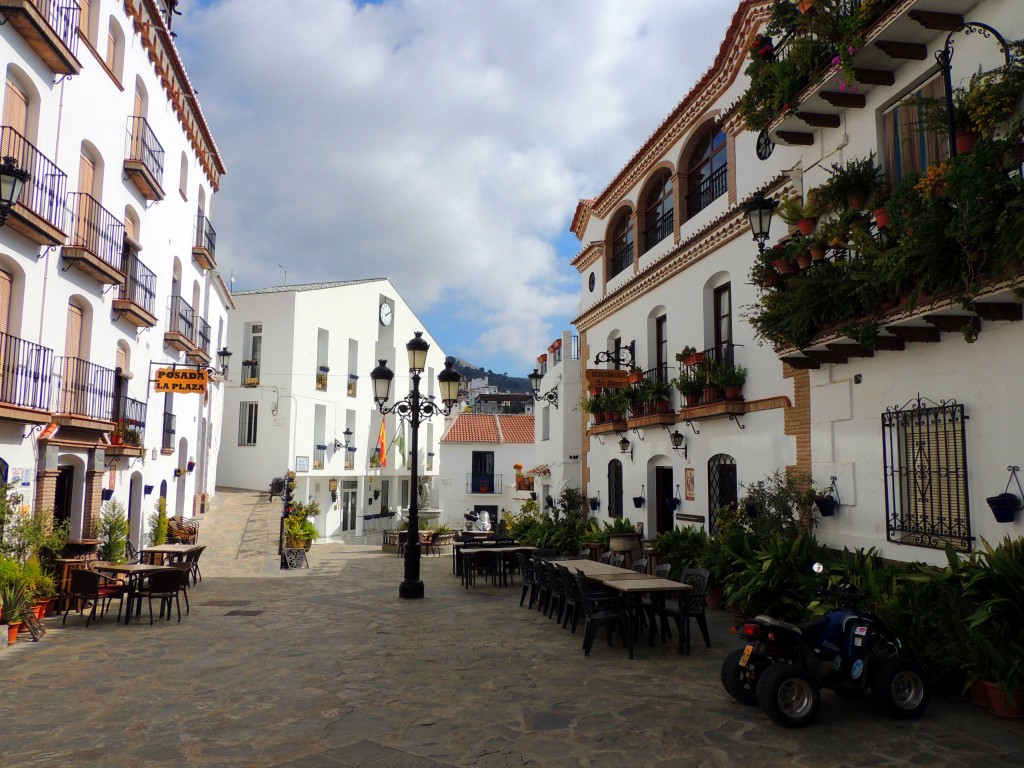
pixel 784 267
pixel 595 504
pixel 770 279
pixel 817 252
pixel 672 504
pixel 882 218
pixel 693 358
pixel 635 377
pixel 806 227
pixel 826 505
pixel 803 259
pixel 1004 507
pixel 638 501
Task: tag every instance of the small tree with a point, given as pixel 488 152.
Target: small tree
pixel 114 532
pixel 158 523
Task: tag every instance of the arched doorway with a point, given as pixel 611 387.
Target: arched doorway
pixel 722 486
pixel 135 513
pixel 179 490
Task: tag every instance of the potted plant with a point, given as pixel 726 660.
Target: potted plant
pixel 732 379
pixel 113 532
pixel 595 503
pixel 635 375
pixel 661 395
pixel 1004 506
pixel 689 356
pixel 117 434
pixel 638 501
pixel 132 437
pixel 798 213
pixel 851 183
pixel 690 383
pixel 14 596
pixel 321 380
pixel 826 503
pixel 712 371
pixel 617 403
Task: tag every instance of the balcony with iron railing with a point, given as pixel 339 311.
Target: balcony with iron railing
pixel 658 230
pixel 136 300
pixel 250 373
pixel 85 396
pixel 205 246
pixel 200 354
pixel 489 484
pixel 319 456
pixel 40 212
pixel 25 380
pixel 129 435
pixel 96 241
pixel 715 388
pixel 622 258
pixel 144 159
pixel 181 325
pixel 50 27
pixel 711 187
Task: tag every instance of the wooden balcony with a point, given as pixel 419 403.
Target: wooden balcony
pixel 39 213
pixel 180 326
pixel 97 238
pixel 205 247
pixel 136 299
pixel 50 27
pixel 144 160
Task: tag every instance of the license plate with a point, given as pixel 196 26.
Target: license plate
pixel 746 655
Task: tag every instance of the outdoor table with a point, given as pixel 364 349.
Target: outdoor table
pixel 592 569
pixel 624 576
pixel 134 573
pixel 497 553
pixel 170 552
pixel 457 548
pixel 658 588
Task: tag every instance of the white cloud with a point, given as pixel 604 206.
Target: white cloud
pixel 441 143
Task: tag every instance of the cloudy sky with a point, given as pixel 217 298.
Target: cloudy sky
pixel 443 144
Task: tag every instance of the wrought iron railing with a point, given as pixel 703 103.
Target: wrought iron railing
pixel 712 361
pixel 140 284
pixel 575 350
pixel 206 236
pixel 96 229
pixel 182 318
pixel 250 373
pixel 132 413
pixel 483 483
pixel 62 16
pixel 167 434
pixel 144 147
pixel 659 229
pixel 710 189
pixel 203 335
pixel 46 187
pixel 86 389
pixel 25 373
pixel 622 258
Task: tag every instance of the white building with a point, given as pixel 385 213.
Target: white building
pixel 916 425
pixel 558 420
pixel 107 264
pixel 302 400
pixel 666 250
pixel 478 473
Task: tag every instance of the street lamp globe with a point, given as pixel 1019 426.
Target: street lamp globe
pixel 535 379
pixel 759 211
pixel 449 379
pixel 417 349
pixel 382 377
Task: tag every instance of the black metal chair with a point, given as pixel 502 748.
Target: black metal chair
pixel 640 566
pixel 94 588
pixel 681 609
pixel 164 586
pixel 192 558
pixel 529 574
pixel 618 561
pixel 556 600
pixel 600 608
pixel 571 599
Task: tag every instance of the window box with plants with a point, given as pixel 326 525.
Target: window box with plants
pixel 689 356
pixel 690 384
pixel 732 379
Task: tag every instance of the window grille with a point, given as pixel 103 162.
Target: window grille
pixel 722 487
pixel 925 458
pixel 247 413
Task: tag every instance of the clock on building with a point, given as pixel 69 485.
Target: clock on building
pixel 385 314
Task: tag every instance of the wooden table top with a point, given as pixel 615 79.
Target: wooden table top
pixel 132 568
pixel 645 585
pixel 171 549
pixel 593 568
pixel 625 576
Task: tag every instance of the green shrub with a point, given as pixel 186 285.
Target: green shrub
pixel 158 523
pixel 777 578
pixel 113 532
pixel 681 548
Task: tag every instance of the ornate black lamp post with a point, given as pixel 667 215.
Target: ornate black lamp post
pixel 12 181
pixel 551 396
pixel 759 211
pixel 415 410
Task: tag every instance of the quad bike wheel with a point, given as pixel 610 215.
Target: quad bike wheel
pixel 788 695
pixel 899 689
pixel 740 682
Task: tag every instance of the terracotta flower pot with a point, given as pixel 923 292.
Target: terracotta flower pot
pixel 711 394
pixel 770 279
pixel 692 399
pixel 806 227
pixel 817 251
pixel 694 358
pixel 1011 706
pixel 116 440
pixel 635 377
pixel 734 392
pixel 784 267
pixel 12 632
pixel 855 201
pixel 965 141
pixel 803 260
pixel 881 218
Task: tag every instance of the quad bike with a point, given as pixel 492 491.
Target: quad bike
pixel 784 666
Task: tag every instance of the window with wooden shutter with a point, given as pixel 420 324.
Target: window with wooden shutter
pixel 6 286
pixel 16 117
pixel 70 382
pixel 83 18
pixel 86 174
pixel 121 359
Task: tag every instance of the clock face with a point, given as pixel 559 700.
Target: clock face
pixel 385 314
pixel 765 145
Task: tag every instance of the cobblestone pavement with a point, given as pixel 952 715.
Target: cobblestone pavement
pixel 328 667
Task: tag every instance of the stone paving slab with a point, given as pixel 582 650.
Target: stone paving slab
pixel 336 670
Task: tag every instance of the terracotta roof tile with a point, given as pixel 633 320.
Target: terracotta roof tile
pixel 487 428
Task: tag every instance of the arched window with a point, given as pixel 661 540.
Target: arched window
pixel 622 243
pixel 706 177
pixel 615 488
pixel 114 58
pixel 722 487
pixel 658 211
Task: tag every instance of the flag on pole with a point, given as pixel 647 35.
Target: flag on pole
pixel 400 442
pixel 382 446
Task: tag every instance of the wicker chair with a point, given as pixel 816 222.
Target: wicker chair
pixel 95 588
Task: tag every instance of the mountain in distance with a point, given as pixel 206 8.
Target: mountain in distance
pixel 502 381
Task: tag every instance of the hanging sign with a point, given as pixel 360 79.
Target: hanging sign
pixel 607 377
pixel 184 380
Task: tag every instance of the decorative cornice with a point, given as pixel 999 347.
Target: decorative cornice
pixel 580 218
pixel 692 109
pixel 588 255
pixel 156 38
